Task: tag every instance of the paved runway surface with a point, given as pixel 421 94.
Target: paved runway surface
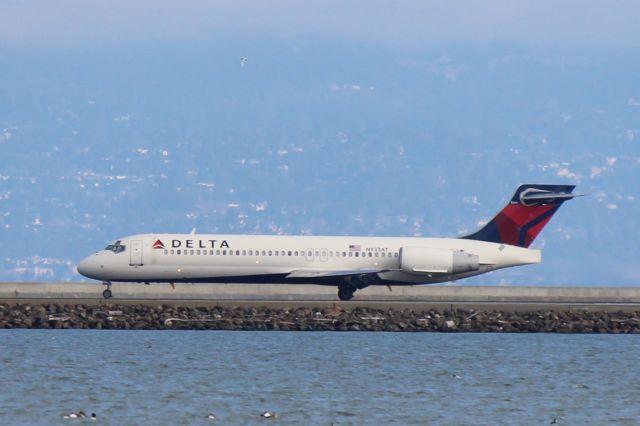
pixel 410 297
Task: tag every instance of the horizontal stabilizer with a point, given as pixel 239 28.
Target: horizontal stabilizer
pixel 532 196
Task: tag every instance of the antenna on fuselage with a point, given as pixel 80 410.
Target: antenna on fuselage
pixel 193 231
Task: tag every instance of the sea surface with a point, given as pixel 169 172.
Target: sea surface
pixel 318 378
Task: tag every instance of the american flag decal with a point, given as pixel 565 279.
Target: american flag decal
pixel 354 247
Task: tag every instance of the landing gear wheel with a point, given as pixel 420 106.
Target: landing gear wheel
pixel 345 293
pixel 107 293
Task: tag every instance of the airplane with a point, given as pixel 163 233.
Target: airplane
pixel 349 263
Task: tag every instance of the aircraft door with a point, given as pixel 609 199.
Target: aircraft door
pixel 136 253
pixel 323 255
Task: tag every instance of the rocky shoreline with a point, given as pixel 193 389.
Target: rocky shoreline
pixel 168 317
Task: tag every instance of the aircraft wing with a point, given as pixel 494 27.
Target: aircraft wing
pixel 306 273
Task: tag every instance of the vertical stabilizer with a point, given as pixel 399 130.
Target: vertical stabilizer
pixel 530 209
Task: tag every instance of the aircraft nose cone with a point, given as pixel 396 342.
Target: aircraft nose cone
pixel 89 267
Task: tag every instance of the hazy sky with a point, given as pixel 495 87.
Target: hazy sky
pixel 146 120
pixel 399 24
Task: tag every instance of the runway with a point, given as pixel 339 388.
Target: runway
pixel 479 298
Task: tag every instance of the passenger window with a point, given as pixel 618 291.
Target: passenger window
pixel 350 254
pixel 344 254
pixel 250 252
pixel 270 252
pixel 309 253
pixel 210 252
pixel 295 253
pixel 377 254
pixel 371 254
pixel 230 252
pixel 166 251
pixel 197 252
pixel 224 252
pixel 237 252
pixel 357 254
pixel 290 253
pixel 172 251
pixel 244 252
pixel 179 251
pixel 395 254
pixel 218 252
pixel 264 252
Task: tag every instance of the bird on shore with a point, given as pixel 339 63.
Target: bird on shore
pixel 93 416
pixel 269 415
pixel 210 416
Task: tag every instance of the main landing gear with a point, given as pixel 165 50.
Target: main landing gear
pixel 351 283
pixel 107 294
pixel 345 292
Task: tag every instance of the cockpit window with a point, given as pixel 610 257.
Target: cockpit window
pixel 116 247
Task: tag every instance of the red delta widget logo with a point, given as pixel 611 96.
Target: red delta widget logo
pixel 158 245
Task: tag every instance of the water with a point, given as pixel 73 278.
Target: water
pixel 177 377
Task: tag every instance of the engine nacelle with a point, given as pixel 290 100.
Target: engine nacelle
pixel 424 260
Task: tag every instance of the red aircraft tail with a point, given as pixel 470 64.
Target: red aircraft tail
pixel 520 222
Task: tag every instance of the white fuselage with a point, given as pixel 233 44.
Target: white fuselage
pixel 299 259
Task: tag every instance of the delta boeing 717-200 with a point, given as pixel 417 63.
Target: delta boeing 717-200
pixel 349 263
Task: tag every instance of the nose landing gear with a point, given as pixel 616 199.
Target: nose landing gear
pixel 107 294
